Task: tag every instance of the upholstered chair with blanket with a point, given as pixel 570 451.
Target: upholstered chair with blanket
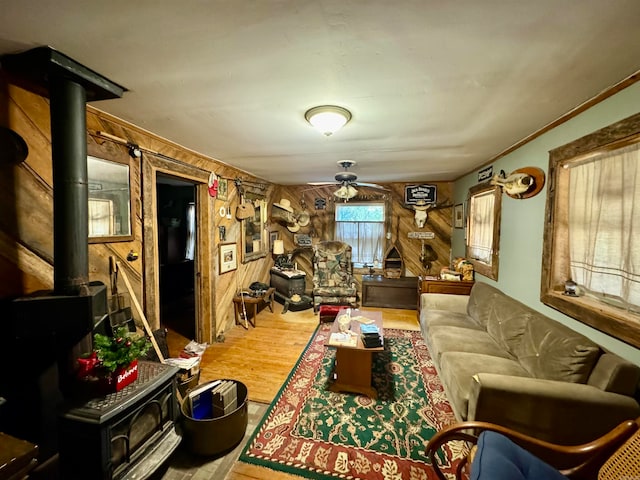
pixel 500 453
pixel 333 282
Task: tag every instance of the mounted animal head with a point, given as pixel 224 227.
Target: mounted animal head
pixel 515 184
pixel 421 214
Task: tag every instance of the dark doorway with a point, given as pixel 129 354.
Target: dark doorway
pixel 177 243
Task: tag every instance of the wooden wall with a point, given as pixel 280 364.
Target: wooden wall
pixel 26 218
pixel 400 222
pixel 26 210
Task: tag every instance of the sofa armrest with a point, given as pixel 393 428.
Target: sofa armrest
pixel 560 412
pixel 443 301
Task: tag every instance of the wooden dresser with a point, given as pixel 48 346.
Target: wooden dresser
pixel 435 285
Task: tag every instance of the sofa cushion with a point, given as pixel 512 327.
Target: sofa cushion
pixel 480 302
pixel 446 338
pixel 614 374
pixel 506 321
pixel 432 318
pixel 457 368
pixel 552 351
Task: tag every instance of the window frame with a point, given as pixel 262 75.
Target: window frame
pixel 489 271
pixel 384 223
pixel 613 321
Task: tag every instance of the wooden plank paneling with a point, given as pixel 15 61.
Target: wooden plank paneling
pixel 26 218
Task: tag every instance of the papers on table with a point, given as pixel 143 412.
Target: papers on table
pixel 363 320
pixel 346 339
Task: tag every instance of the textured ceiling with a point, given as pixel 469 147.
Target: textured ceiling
pixel 435 88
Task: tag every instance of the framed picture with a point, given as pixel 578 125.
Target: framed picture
pixel 458 216
pixel 302 240
pixel 273 236
pixel 228 257
pixel 223 189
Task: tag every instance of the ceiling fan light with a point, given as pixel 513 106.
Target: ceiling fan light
pixel 346 192
pixel 328 119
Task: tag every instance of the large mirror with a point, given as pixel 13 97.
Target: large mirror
pixel 109 201
pixel 254 241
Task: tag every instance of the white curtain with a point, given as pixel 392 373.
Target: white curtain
pixel 365 238
pixel 191 232
pixel 604 221
pixel 481 211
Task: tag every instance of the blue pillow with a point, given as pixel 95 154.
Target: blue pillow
pixel 498 458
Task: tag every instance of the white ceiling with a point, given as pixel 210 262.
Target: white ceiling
pixel 436 87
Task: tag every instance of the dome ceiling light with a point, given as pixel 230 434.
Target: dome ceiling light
pixel 328 119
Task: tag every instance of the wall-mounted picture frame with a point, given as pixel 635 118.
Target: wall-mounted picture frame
pixel 302 240
pixel 223 189
pixel 458 216
pixel 273 236
pixel 228 255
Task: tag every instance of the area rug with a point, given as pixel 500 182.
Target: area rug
pixel 314 433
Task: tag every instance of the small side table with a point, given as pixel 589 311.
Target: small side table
pixel 254 302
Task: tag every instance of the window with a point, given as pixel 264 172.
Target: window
pixel 604 198
pixel 483 229
pixel 593 234
pixel 361 225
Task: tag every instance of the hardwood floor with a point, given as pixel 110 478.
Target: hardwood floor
pixel 262 357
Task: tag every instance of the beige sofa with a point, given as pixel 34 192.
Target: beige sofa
pixel 501 361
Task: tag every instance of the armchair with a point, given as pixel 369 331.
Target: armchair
pixel 333 281
pixel 499 452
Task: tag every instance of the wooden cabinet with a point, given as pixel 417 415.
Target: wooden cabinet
pixel 451 287
pixel 378 291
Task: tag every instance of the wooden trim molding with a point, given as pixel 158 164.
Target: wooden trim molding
pixel 204 294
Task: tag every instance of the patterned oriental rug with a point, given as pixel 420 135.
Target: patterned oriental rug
pixel 314 433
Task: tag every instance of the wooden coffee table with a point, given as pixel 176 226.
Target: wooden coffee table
pixel 352 370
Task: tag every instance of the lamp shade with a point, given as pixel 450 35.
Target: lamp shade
pixel 346 192
pixel 278 247
pixel 328 119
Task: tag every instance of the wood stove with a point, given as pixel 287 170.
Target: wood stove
pixel 123 435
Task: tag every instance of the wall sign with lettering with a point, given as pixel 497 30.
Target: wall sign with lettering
pixel 422 235
pixel 485 174
pixel 419 193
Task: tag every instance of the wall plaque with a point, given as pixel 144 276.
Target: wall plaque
pixel 422 235
pixel 302 240
pixel 485 174
pixel 415 193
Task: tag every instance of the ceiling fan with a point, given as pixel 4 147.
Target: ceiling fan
pixel 347 181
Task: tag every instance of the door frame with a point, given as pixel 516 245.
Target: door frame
pixel 204 285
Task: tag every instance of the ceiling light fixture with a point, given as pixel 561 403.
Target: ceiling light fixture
pixel 328 119
pixel 346 192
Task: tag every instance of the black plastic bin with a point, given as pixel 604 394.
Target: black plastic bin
pixel 212 436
